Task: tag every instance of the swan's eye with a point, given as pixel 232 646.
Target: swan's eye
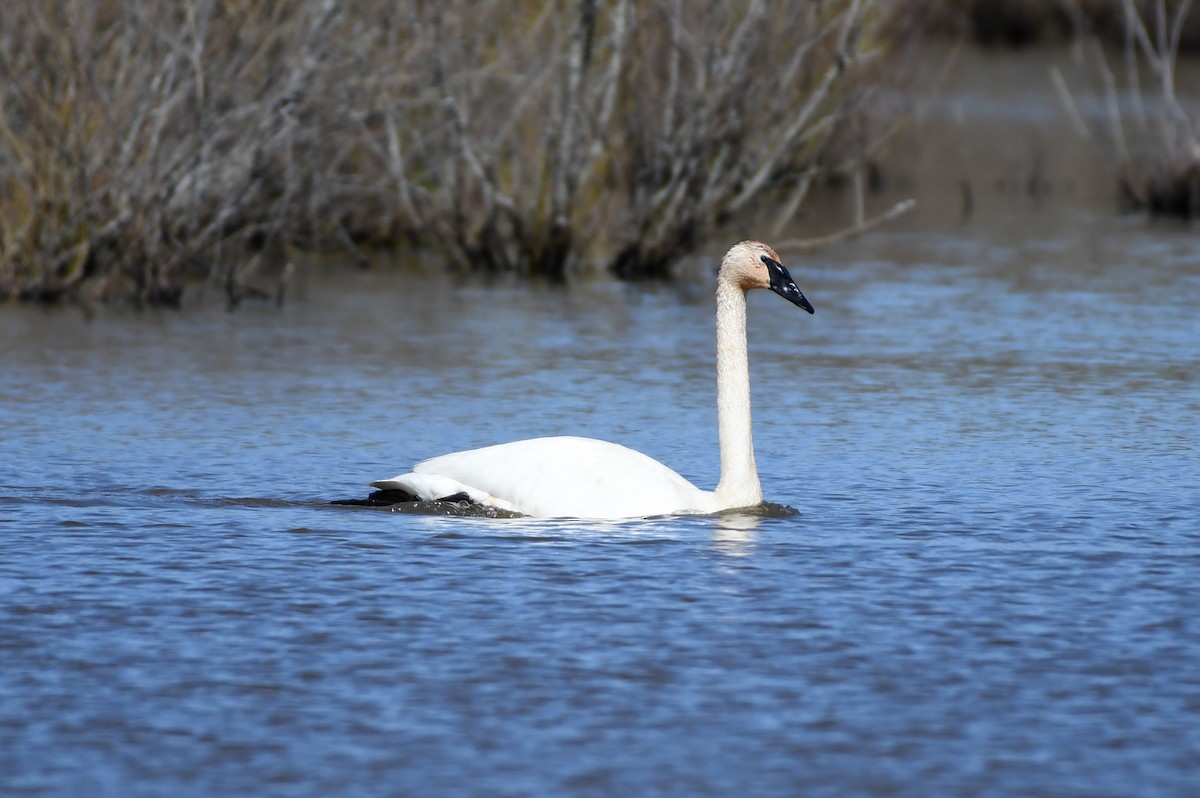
pixel 770 262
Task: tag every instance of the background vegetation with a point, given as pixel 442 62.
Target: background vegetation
pixel 145 143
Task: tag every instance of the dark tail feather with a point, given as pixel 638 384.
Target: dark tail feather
pixel 390 496
pixel 380 498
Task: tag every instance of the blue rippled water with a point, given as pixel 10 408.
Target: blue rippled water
pixel 990 587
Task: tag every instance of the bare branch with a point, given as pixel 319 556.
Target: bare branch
pixel 1068 103
pixel 810 244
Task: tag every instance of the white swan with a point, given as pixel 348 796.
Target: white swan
pixel 588 478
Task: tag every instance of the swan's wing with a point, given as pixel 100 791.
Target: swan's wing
pixel 570 477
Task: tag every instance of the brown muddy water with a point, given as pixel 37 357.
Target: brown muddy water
pixel 989 429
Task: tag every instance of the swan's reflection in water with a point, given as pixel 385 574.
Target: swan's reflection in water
pixel 735 532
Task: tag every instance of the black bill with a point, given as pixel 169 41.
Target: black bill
pixel 782 284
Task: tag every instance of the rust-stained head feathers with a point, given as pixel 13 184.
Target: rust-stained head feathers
pixel 753 264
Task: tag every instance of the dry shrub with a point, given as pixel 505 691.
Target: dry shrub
pixel 1157 144
pixel 1162 188
pixel 616 132
pixel 1165 180
pixel 144 143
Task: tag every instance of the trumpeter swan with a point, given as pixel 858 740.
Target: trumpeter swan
pixel 587 478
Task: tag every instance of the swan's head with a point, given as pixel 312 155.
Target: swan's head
pixel 752 264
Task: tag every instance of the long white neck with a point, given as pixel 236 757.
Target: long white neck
pixel 739 485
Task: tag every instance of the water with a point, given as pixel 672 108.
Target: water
pixel 989 589
pixel 989 431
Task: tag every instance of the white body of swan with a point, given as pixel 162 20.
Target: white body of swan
pixel 587 478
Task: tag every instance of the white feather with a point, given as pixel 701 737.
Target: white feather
pixel 557 477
